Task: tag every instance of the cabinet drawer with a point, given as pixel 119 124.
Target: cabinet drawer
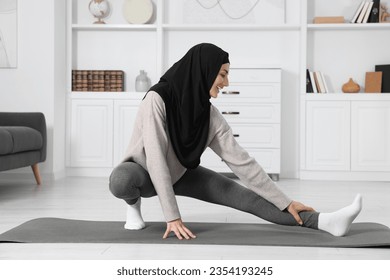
pixel 265 92
pixel 269 160
pixel 253 75
pixel 257 136
pixel 254 113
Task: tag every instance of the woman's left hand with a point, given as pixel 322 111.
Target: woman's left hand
pixel 296 207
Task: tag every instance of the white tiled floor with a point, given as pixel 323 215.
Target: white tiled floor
pixel 90 199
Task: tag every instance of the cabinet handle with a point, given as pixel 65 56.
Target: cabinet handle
pixel 230 113
pixel 236 135
pixel 231 92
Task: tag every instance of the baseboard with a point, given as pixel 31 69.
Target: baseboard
pixel 57 175
pixel 344 176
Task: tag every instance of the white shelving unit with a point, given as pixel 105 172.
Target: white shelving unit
pixel 290 42
pixel 220 27
pixel 154 47
pixel 154 38
pixel 113 27
pixel 335 140
pixel 349 26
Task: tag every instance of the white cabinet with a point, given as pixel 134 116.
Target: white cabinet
pixel 251 106
pixel 370 132
pixel 328 135
pixel 348 138
pixel 99 131
pixel 343 136
pixel 91 133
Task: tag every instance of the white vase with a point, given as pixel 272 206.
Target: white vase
pixel 142 82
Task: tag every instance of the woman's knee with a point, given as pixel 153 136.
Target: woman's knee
pixel 122 179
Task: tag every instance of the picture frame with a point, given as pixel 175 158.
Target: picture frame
pixel 8 33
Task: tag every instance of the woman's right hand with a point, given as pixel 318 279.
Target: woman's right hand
pixel 179 229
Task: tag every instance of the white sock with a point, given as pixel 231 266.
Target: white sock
pixel 338 223
pixel 134 219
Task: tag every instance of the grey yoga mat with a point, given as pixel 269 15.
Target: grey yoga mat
pixel 54 230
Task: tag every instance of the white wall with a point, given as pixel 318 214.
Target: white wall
pixel 37 84
pixel 60 70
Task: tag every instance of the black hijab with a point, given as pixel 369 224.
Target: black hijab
pixel 185 89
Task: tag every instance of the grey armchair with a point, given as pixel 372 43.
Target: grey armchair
pixel 23 141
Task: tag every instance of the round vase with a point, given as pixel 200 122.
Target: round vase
pixel 350 87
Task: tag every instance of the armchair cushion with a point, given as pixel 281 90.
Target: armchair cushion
pixel 18 139
pixel 23 141
pixel 35 121
pixel 6 143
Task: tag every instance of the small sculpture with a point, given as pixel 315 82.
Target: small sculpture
pixel 383 13
pixel 350 87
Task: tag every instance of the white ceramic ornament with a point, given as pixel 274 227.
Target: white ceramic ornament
pixel 138 11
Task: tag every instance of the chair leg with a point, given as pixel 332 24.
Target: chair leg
pixel 36 173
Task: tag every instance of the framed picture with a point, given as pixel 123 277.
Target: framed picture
pixel 8 33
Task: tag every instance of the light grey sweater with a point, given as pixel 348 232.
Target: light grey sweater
pixel 151 147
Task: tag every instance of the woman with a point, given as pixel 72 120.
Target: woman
pixel 174 125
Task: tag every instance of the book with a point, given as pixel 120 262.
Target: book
pixel 324 81
pixel 316 79
pixel 337 19
pixel 313 83
pixel 368 12
pixel 357 13
pixel 374 15
pixel 321 82
pixel 363 12
pixel 385 69
pixel 97 80
pixel 309 86
pixel 373 82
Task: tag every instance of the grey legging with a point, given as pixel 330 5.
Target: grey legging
pixel 129 181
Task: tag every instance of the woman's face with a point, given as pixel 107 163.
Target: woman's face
pixel 221 81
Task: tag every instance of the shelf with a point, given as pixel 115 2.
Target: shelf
pixel 85 27
pixel 349 26
pixel 184 27
pixel 228 27
pixel 347 96
pixel 106 95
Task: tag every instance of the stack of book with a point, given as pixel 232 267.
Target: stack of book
pixel 367 12
pixel 97 80
pixel 315 82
